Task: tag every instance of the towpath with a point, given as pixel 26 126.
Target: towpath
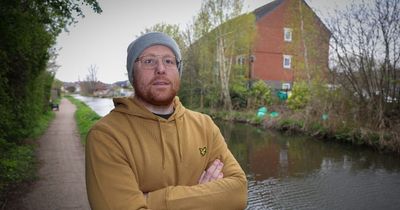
pixel 61 181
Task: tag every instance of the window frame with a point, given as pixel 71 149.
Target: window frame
pixel 289 58
pixel 287 31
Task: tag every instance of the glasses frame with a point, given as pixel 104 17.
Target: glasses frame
pixel 153 66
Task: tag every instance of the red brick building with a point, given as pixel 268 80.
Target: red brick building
pixel 292 44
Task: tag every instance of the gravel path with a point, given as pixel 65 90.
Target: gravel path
pixel 61 183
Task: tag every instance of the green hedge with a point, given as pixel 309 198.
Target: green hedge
pixel 18 161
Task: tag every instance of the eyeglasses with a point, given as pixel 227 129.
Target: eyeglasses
pixel 151 61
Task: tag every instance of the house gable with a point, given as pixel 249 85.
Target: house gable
pixel 273 53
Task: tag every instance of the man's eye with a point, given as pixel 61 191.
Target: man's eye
pixel 149 61
pixel 169 61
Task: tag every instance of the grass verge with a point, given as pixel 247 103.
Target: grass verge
pixel 18 164
pixel 85 117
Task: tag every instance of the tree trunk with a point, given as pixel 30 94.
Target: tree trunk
pixel 224 72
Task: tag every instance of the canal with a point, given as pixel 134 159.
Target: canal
pixel 298 172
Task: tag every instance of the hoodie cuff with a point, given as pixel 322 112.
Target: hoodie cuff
pixel 157 199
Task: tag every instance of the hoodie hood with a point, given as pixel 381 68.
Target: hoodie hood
pixel 133 107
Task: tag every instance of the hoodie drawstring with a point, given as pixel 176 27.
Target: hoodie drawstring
pixel 179 129
pixel 162 144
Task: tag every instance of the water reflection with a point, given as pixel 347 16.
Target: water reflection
pixel 101 106
pixel 287 172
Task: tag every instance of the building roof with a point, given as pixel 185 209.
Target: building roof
pixel 262 11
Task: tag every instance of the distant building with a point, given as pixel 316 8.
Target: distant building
pixel 289 38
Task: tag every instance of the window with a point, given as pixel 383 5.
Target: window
pixel 285 86
pixel 287 61
pixel 287 34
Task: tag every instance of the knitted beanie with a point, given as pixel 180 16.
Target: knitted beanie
pixel 148 40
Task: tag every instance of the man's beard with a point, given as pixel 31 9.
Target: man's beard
pixel 151 97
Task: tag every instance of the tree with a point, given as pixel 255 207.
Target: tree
pixel 190 82
pixel 27 31
pixel 231 35
pixel 366 52
pixel 202 50
pixel 88 86
pixel 219 13
pixel 171 30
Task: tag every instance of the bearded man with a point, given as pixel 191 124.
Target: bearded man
pixel 150 152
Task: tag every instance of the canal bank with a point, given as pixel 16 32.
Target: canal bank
pixel 298 172
pixel 289 122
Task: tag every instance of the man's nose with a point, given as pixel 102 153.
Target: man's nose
pixel 160 68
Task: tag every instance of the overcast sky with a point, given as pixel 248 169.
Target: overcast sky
pixel 102 39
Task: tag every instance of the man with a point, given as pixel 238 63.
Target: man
pixel 150 152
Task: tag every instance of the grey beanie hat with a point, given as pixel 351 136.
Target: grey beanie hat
pixel 148 40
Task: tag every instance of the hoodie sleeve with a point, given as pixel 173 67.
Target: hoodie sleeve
pixel 229 193
pixel 105 189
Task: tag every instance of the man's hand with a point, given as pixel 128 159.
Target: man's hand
pixel 214 172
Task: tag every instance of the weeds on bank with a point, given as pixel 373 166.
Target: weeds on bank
pixel 237 116
pixel 334 129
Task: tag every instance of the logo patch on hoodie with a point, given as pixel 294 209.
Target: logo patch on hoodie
pixel 203 151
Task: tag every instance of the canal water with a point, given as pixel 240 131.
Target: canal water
pixel 298 172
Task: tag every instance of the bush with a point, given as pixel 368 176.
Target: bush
pixel 261 94
pixel 299 97
pixel 17 163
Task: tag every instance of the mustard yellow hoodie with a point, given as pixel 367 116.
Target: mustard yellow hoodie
pixel 131 151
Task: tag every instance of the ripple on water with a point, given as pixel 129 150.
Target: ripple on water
pixel 327 189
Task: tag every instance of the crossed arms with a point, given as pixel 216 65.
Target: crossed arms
pixel 112 185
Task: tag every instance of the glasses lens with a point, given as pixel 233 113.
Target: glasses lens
pixel 150 62
pixel 169 61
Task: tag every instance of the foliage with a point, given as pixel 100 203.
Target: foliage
pixel 57 84
pixel 228 31
pixel 300 96
pixel 171 30
pixel 27 31
pixel 261 94
pixel 17 161
pixel 85 117
pixel 291 125
pixel 365 50
pixel 17 164
pixel 206 78
pixel 239 93
pixel 237 116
